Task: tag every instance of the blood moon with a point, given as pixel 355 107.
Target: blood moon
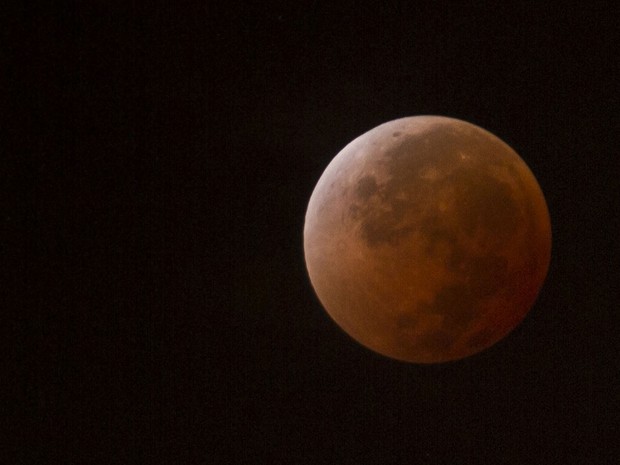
pixel 427 239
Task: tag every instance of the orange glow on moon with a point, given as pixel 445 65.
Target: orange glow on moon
pixel 427 239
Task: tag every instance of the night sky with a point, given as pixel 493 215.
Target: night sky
pixel 168 315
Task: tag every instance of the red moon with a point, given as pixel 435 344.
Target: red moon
pixel 427 239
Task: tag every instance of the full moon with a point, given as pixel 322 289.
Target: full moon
pixel 427 239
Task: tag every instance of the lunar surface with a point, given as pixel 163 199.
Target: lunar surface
pixel 427 239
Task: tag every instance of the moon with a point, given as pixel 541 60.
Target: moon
pixel 427 239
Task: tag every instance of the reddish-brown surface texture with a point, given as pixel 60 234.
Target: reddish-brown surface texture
pixel 427 239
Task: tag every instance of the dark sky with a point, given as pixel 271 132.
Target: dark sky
pixel 168 314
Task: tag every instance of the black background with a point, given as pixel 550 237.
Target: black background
pixel 168 316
